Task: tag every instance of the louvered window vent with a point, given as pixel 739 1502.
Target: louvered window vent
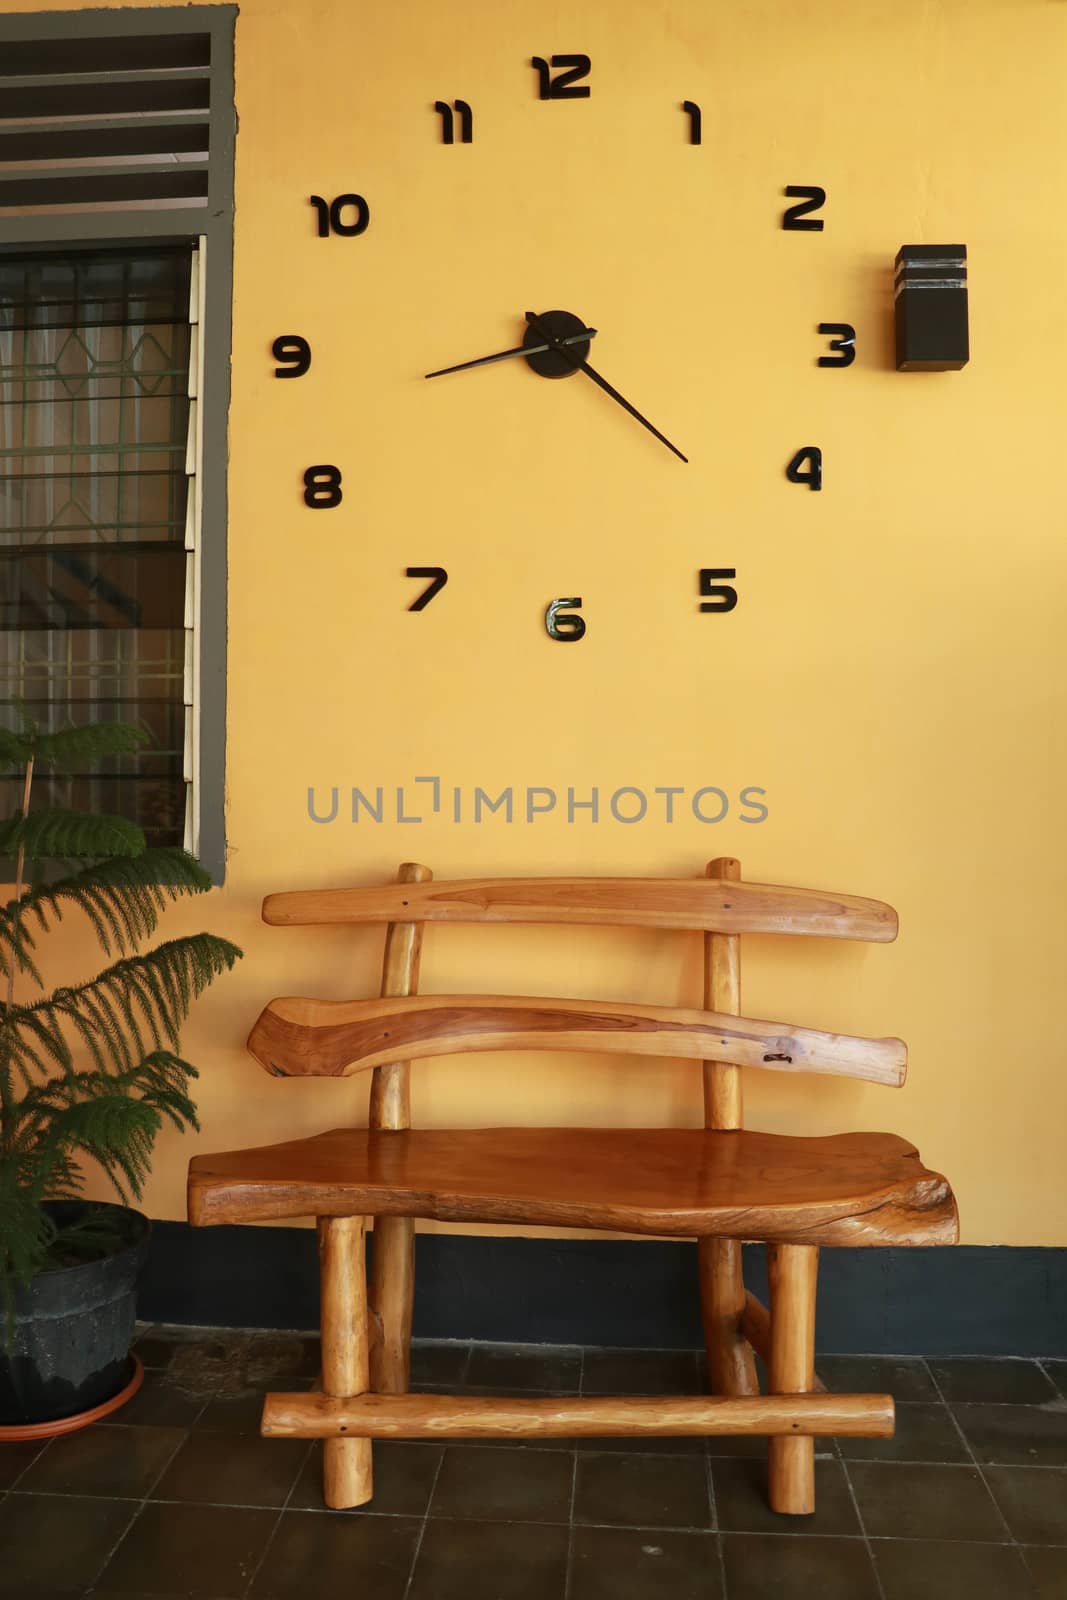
pixel 109 123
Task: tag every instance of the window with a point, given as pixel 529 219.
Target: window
pixel 116 172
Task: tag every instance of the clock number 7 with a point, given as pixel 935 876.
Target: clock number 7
pixel 718 596
pixel 439 578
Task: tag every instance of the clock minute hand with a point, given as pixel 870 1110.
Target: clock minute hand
pixel 602 383
pixel 519 350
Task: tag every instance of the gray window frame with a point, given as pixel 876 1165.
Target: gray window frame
pixel 175 225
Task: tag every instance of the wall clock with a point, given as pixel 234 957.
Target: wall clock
pixel 674 494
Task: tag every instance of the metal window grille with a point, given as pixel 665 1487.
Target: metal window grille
pixel 116 178
pixel 99 516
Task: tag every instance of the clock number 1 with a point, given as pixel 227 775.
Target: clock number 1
pixel 565 85
pixel 718 596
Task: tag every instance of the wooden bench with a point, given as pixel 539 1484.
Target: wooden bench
pixel 717 1185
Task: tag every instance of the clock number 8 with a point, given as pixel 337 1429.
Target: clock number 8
pixel 322 487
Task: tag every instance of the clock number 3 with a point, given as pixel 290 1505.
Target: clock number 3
pixel 322 488
pixel 842 338
pixel 565 86
pixel 332 219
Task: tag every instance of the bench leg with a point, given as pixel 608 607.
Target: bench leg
pixel 792 1269
pixel 345 1367
pixel 731 1363
pixel 391 1296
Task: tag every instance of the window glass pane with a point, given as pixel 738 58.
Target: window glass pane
pixel 94 416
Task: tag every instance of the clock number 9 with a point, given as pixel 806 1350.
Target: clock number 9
pixel 294 353
pixel 718 596
pixel 843 340
pixel 563 625
pixel 322 488
pixel 331 219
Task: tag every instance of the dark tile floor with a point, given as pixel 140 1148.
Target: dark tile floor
pixel 178 1496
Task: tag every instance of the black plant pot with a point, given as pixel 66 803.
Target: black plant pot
pixel 73 1328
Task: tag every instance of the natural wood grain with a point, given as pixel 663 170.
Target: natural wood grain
pixel 848 1189
pixel 731 1365
pixel 347 1479
pixel 445 1416
pixel 756 1327
pixel 792 1270
pixel 392 1289
pixel 295 1037
pixel 723 1107
pixel 614 902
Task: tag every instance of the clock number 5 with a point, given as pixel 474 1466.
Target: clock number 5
pixel 718 596
pixel 565 86
pixel 842 338
pixel 331 215
pixel 563 625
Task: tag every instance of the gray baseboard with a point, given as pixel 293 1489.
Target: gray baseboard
pixel 968 1300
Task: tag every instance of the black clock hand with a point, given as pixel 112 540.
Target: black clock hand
pixel 602 383
pixel 520 350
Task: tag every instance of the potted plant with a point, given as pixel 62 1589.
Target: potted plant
pixel 90 1069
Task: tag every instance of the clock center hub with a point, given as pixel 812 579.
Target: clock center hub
pixel 558 325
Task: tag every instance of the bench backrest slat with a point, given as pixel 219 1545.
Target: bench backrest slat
pixel 713 905
pixel 334 1038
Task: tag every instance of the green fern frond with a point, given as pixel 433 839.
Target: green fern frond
pixel 70 744
pixel 71 835
pixel 15 749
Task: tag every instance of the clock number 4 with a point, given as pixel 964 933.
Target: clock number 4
pixel 565 86
pixel 322 488
pixel 718 596
pixel 798 218
pixel 809 456
pixel 842 338
pixel 332 219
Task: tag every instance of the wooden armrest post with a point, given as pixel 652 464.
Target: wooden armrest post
pixel 392 1289
pixel 792 1269
pixel 731 1365
pixel 347 1479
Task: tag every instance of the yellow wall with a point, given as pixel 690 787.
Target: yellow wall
pixel 894 675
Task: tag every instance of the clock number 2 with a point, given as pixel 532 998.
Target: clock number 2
pixel 331 215
pixel 563 625
pixel 842 338
pixel 718 596
pixel 322 488
pixel 797 219
pixel 565 86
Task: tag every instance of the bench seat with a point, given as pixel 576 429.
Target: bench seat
pixel 845 1189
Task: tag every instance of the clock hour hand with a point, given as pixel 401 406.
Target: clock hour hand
pixel 520 350
pixel 602 383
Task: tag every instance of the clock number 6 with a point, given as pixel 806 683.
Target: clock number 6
pixel 718 596
pixel 331 218
pixel 842 338
pixel 322 488
pixel 563 625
